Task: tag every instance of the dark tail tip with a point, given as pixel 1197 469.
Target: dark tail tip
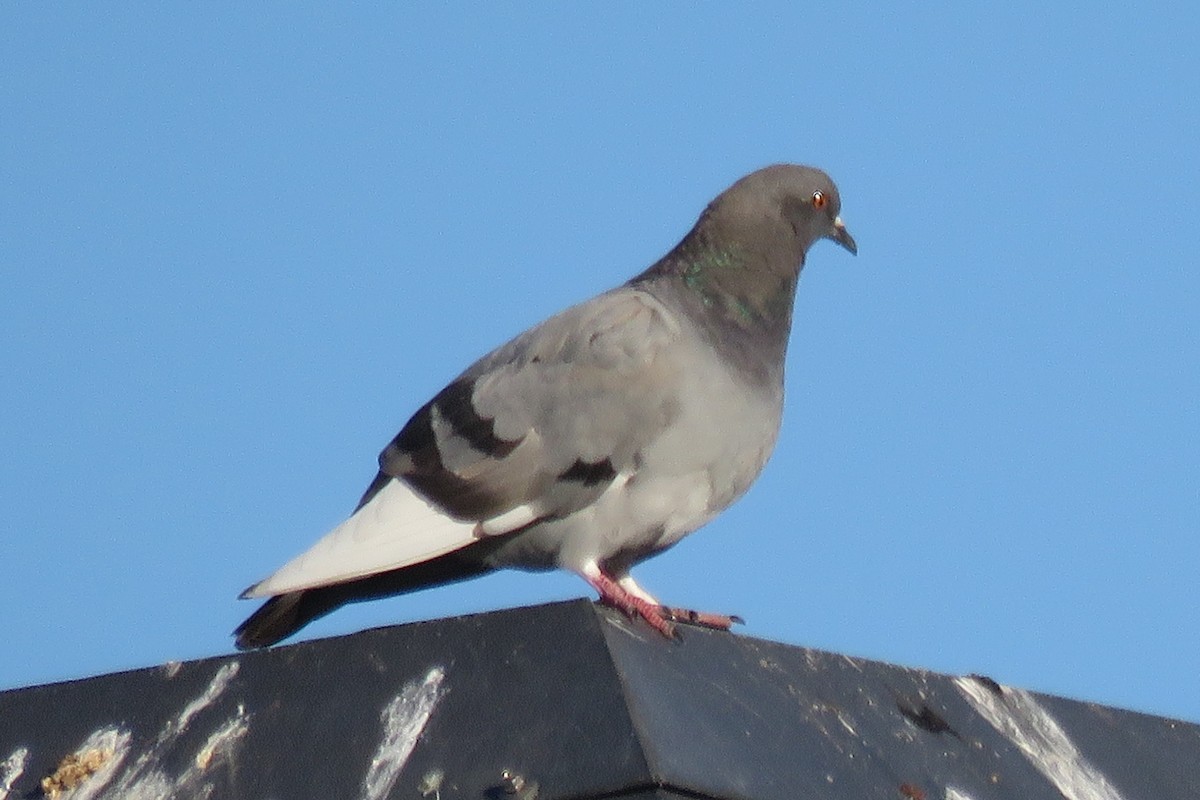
pixel 283 615
pixel 276 619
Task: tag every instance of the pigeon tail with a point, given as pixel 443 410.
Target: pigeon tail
pixel 393 528
pixel 276 619
pixel 284 614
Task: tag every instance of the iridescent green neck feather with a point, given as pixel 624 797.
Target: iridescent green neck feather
pixel 739 284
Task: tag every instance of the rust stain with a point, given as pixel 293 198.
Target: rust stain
pixel 73 770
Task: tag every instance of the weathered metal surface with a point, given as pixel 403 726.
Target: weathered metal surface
pixel 571 701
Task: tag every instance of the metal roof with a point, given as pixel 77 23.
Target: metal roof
pixel 570 700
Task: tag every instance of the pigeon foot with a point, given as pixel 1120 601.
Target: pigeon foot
pixel 614 595
pixel 701 619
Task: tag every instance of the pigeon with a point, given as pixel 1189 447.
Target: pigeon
pixel 595 439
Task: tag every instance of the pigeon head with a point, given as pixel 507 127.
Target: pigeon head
pixel 780 211
pixel 741 261
pixel 736 271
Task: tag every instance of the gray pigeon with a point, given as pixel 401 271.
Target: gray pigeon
pixel 594 440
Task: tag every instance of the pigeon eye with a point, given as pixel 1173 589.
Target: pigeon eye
pixel 819 200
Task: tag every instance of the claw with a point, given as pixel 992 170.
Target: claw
pixel 702 619
pixel 662 618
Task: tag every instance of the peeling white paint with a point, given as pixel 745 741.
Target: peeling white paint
pixel 110 748
pixel 404 718
pixel 1019 718
pixel 112 741
pixel 431 784
pixel 216 687
pixel 853 663
pixel 218 747
pixel 149 785
pixel 221 741
pixel 954 793
pixel 11 769
pixel 144 780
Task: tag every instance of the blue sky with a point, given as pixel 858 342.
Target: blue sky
pixel 238 248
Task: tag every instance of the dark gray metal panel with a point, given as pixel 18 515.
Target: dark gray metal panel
pixel 571 701
pixel 738 717
pixel 528 690
pixel 727 716
pixel 1140 755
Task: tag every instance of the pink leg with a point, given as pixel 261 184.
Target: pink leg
pixel 701 619
pixel 615 595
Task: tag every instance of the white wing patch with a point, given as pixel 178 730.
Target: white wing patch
pixel 397 528
pixel 518 517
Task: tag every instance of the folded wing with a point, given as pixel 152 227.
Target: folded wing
pixel 538 428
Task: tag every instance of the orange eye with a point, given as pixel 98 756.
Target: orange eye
pixel 819 200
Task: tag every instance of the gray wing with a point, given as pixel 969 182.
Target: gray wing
pixel 541 426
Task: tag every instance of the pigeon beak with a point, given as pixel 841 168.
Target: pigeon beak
pixel 843 237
